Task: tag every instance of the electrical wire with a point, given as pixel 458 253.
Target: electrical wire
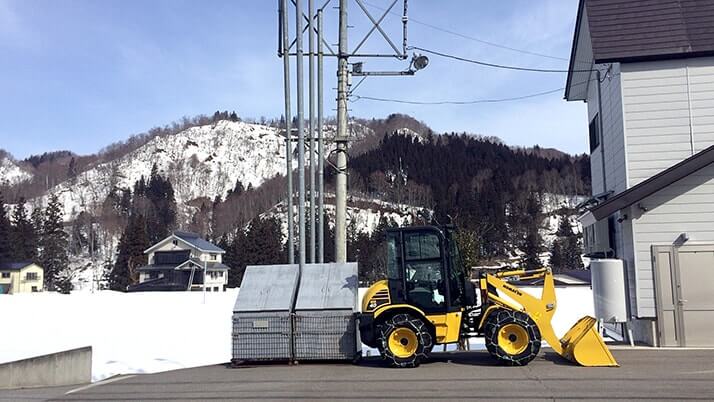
pixel 485 42
pixel 471 102
pixel 356 98
pixel 503 66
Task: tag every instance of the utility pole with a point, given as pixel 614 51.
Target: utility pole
pixel 311 133
pixel 301 134
pixel 341 140
pixel 343 92
pixel 320 145
pixel 288 123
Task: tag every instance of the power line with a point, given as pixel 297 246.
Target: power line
pixel 472 38
pixel 503 66
pixel 471 102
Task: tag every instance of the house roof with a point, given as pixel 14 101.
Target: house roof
pixel 215 266
pixel 650 186
pixel 192 239
pixel 211 266
pixel 196 240
pixel 13 266
pixel 641 30
pixel 627 30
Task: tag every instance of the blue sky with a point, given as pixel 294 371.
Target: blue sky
pixel 81 74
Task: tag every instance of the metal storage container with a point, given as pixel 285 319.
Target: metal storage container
pixel 608 282
pixel 325 313
pixel 262 325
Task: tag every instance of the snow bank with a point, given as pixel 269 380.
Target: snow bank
pixel 129 332
pixel 159 331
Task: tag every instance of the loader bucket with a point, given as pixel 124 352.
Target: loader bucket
pixel 582 344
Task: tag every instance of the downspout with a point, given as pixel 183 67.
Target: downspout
pixel 602 131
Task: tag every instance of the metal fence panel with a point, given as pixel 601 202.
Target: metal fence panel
pixel 261 336
pixel 326 335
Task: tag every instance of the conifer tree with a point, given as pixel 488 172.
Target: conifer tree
pixel 23 237
pixel 130 254
pixel 54 245
pixel 5 232
pixel 566 249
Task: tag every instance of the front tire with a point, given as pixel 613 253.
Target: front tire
pixel 512 337
pixel 404 340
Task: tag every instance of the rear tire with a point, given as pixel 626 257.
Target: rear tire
pixel 512 337
pixel 404 340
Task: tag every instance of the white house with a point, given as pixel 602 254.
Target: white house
pixel 646 71
pixel 178 263
pixel 21 277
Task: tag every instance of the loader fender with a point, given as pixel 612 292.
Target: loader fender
pixel 384 313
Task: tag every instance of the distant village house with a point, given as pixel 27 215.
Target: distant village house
pixel 20 277
pixel 177 263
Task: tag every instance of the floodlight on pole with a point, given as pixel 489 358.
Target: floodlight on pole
pixel 419 62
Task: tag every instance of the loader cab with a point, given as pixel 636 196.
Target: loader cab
pixel 425 270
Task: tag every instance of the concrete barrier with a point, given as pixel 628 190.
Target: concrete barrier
pixel 69 367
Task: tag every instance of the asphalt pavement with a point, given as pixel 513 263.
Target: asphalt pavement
pixel 645 374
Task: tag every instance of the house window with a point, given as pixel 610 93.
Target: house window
pixel 153 275
pixel 213 257
pixel 220 274
pixel 5 274
pixel 31 276
pixel 594 129
pixel 34 289
pixel 175 242
pixel 215 289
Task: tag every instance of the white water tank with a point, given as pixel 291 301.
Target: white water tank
pixel 608 281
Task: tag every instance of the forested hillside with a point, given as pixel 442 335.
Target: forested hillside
pixel 223 179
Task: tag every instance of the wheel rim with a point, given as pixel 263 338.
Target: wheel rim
pixel 403 342
pixel 513 339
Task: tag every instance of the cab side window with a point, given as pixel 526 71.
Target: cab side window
pixel 424 271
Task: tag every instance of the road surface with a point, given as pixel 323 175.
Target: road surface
pixel 649 374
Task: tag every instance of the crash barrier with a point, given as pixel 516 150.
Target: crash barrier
pixel 68 367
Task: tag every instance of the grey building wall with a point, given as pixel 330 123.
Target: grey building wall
pixel 668 117
pixel 669 113
pixel 686 206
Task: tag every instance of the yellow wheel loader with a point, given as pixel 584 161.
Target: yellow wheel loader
pixel 428 299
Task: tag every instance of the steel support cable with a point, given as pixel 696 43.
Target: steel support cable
pixel 356 98
pixel 495 65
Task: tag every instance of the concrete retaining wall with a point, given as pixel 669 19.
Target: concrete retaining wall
pixel 63 368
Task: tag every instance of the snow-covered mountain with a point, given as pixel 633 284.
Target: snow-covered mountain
pixel 203 161
pixel 11 172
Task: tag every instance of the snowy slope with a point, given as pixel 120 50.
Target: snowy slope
pixel 11 173
pixel 203 161
pixel 365 214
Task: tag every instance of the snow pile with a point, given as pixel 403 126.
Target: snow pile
pixel 152 332
pixel 129 332
pixel 11 173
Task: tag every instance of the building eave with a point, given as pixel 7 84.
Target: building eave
pixel 573 51
pixel 648 187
